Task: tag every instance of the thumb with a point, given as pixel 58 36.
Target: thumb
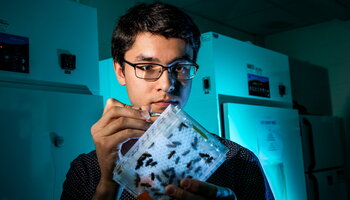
pixel 146 108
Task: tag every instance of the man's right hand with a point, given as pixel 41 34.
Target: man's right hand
pixel 118 123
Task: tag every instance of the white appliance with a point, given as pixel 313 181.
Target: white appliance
pixel 54 27
pixel 42 131
pixel 323 157
pixel 242 92
pixel 46 114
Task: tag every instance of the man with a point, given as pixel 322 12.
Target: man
pixel 154 49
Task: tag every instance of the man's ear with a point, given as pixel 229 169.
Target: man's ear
pixel 118 70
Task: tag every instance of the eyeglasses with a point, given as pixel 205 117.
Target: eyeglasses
pixel 152 71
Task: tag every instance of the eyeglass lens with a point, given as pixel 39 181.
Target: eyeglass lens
pixel 153 71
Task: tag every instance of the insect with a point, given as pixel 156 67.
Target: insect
pixel 149 162
pixel 189 164
pixel 197 169
pixel 171 178
pixel 171 169
pixel 186 152
pixel 183 174
pixel 146 185
pixel 163 184
pixel 158 178
pixel 171 145
pixel 204 155
pixel 137 180
pixel 139 164
pixel 171 154
pixel 153 164
pixel 182 125
pixel 165 174
pixel 150 146
pixel 209 160
pixel 194 143
pixel 152 176
pixel 171 135
pixel 141 159
pixel 177 143
pixel 145 155
pixel 196 160
pixel 177 160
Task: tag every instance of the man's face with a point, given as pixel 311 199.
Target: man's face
pixel 158 94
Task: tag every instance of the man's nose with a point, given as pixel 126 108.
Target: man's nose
pixel 166 81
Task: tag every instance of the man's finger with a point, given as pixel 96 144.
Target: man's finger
pixel 125 135
pixel 125 123
pixel 116 112
pixel 111 102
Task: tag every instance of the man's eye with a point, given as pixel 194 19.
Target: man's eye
pixel 179 68
pixel 182 68
pixel 145 67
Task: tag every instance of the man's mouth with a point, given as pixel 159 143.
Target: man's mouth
pixel 164 104
pixel 158 108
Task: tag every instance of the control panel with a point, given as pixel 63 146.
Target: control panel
pixel 14 53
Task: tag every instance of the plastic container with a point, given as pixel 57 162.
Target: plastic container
pixel 173 148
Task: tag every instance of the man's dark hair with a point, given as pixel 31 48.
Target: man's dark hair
pixel 156 18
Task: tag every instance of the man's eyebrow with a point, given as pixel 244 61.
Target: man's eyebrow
pixel 153 59
pixel 145 58
pixel 181 58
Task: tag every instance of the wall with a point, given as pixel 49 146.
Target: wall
pixel 309 81
pixel 328 45
pixel 108 12
pixel 206 25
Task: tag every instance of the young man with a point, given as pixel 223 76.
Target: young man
pixel 154 49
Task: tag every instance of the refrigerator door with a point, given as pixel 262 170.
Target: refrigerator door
pixel 42 132
pixel 273 135
pixel 321 142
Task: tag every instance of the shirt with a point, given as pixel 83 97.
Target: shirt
pixel 241 172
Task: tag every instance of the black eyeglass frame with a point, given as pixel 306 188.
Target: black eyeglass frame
pixel 134 65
